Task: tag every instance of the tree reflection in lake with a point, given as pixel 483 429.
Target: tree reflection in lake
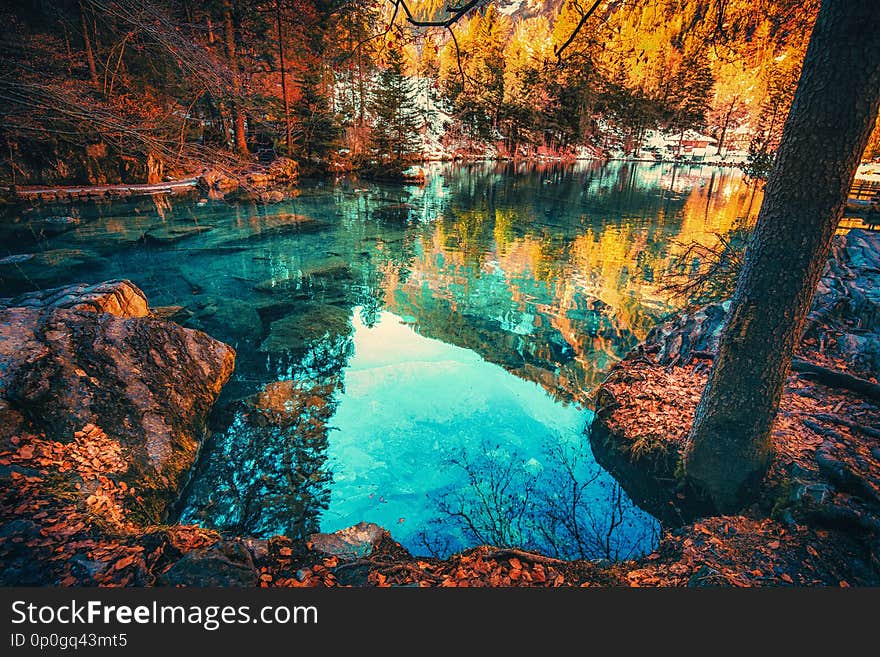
pixel 384 331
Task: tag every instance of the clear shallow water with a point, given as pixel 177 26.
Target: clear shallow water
pixel 419 357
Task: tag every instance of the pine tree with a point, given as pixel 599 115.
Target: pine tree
pixel 318 129
pixel 396 115
pixel 690 93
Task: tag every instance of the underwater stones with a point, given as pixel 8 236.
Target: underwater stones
pixel 275 228
pixel 328 270
pixel 15 259
pixel 172 234
pixel 41 227
pixel 308 323
pixel 230 319
pixel 354 542
pixel 172 313
pixel 322 275
pixel 31 271
pixel 112 234
pixel 27 230
pixel 283 403
pixel 394 213
pixel 89 355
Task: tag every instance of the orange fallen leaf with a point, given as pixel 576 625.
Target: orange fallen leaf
pixel 122 563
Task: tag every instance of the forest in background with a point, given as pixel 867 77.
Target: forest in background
pixel 106 91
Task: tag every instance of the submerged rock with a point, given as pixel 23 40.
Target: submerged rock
pixel 318 275
pixel 398 214
pixel 354 542
pixel 278 227
pixel 29 230
pixel 310 322
pixel 29 271
pixel 81 357
pixel 173 234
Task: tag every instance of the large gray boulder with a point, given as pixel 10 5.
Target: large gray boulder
pixel 80 357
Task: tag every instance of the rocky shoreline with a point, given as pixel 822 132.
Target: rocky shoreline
pixel 265 183
pixel 103 408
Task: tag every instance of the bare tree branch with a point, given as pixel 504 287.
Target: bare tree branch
pixel 571 37
pixel 455 14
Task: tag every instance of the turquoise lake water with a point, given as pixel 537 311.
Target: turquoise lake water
pixel 418 357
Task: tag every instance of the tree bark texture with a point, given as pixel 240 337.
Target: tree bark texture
pixel 87 42
pixel 831 118
pixel 287 126
pixel 237 110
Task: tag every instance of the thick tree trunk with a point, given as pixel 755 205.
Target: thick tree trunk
pixel 87 41
pixel 237 110
pixel 832 115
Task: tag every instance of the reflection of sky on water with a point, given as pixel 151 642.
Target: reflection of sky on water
pixel 410 404
pixel 519 286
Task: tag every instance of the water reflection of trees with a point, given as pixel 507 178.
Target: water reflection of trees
pixel 566 506
pixel 554 274
pixel 267 473
pixel 542 245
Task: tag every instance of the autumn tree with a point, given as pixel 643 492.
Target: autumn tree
pixel 832 115
pixel 689 94
pixel 352 50
pixel 230 30
pixel 780 80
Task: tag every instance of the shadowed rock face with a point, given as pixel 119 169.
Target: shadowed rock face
pixel 82 355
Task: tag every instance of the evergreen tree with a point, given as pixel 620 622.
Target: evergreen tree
pixel 396 114
pixel 690 93
pixel 318 129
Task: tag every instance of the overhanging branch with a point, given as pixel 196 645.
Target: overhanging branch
pixel 571 37
pixel 455 14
